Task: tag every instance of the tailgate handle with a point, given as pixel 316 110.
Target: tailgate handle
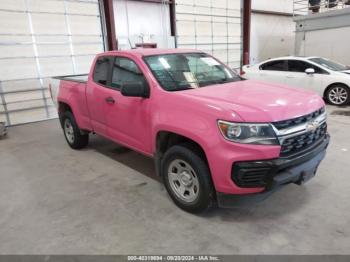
pixel 110 100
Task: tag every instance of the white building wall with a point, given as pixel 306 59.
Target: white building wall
pixel 330 43
pixel 272 35
pixel 325 34
pixel 283 6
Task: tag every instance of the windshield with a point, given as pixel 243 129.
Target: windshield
pixel 329 64
pixel 183 71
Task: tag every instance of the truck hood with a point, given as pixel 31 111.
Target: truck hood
pixel 256 101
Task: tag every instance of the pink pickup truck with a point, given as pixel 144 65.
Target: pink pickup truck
pixel 215 137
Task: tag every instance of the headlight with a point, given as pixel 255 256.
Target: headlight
pixel 262 134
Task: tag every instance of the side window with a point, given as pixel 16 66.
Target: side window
pixel 278 65
pixel 125 71
pixel 301 66
pixel 298 66
pixel 318 70
pixel 101 70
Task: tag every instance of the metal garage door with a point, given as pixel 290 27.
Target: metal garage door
pixel 214 26
pixel 40 39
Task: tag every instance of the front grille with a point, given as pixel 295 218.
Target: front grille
pixel 304 141
pixel 299 120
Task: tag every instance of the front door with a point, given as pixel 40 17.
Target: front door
pixel 297 77
pixel 127 118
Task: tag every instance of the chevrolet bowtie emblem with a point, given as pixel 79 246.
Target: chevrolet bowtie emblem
pixel 312 126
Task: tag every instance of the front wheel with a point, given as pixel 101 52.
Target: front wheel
pixel 72 133
pixel 186 177
pixel 338 95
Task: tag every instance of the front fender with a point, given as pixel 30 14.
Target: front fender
pixel 200 130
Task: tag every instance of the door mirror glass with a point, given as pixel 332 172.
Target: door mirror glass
pixel 310 71
pixel 135 89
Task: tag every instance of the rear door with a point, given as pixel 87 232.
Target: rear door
pixel 98 93
pixel 273 71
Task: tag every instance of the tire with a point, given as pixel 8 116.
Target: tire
pixel 189 185
pixel 72 133
pixel 338 95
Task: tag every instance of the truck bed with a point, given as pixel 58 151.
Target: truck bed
pixel 74 78
pixel 54 84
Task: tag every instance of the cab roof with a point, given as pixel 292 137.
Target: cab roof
pixel 290 57
pixel 152 51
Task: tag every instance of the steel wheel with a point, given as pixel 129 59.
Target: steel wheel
pixel 69 131
pixel 338 95
pixel 75 137
pixel 183 180
pixel 187 178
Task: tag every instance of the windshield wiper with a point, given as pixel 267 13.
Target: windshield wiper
pixel 180 89
pixel 215 81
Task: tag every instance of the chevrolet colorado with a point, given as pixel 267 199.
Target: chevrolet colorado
pixel 215 137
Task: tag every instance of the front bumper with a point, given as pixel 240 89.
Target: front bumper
pixel 273 174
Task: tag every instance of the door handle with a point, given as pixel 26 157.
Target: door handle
pixel 290 77
pixel 110 100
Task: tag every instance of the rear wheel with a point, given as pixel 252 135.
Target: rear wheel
pixel 186 177
pixel 75 138
pixel 338 95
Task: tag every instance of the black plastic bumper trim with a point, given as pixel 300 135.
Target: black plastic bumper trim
pixel 274 166
pixel 284 171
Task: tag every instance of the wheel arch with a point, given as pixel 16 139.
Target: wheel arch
pixel 62 108
pixel 166 139
pixel 330 86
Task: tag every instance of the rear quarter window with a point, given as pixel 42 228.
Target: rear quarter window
pixel 102 70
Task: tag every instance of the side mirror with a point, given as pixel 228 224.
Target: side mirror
pixel 135 89
pixel 310 71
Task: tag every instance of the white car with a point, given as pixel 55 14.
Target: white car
pixel 329 79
